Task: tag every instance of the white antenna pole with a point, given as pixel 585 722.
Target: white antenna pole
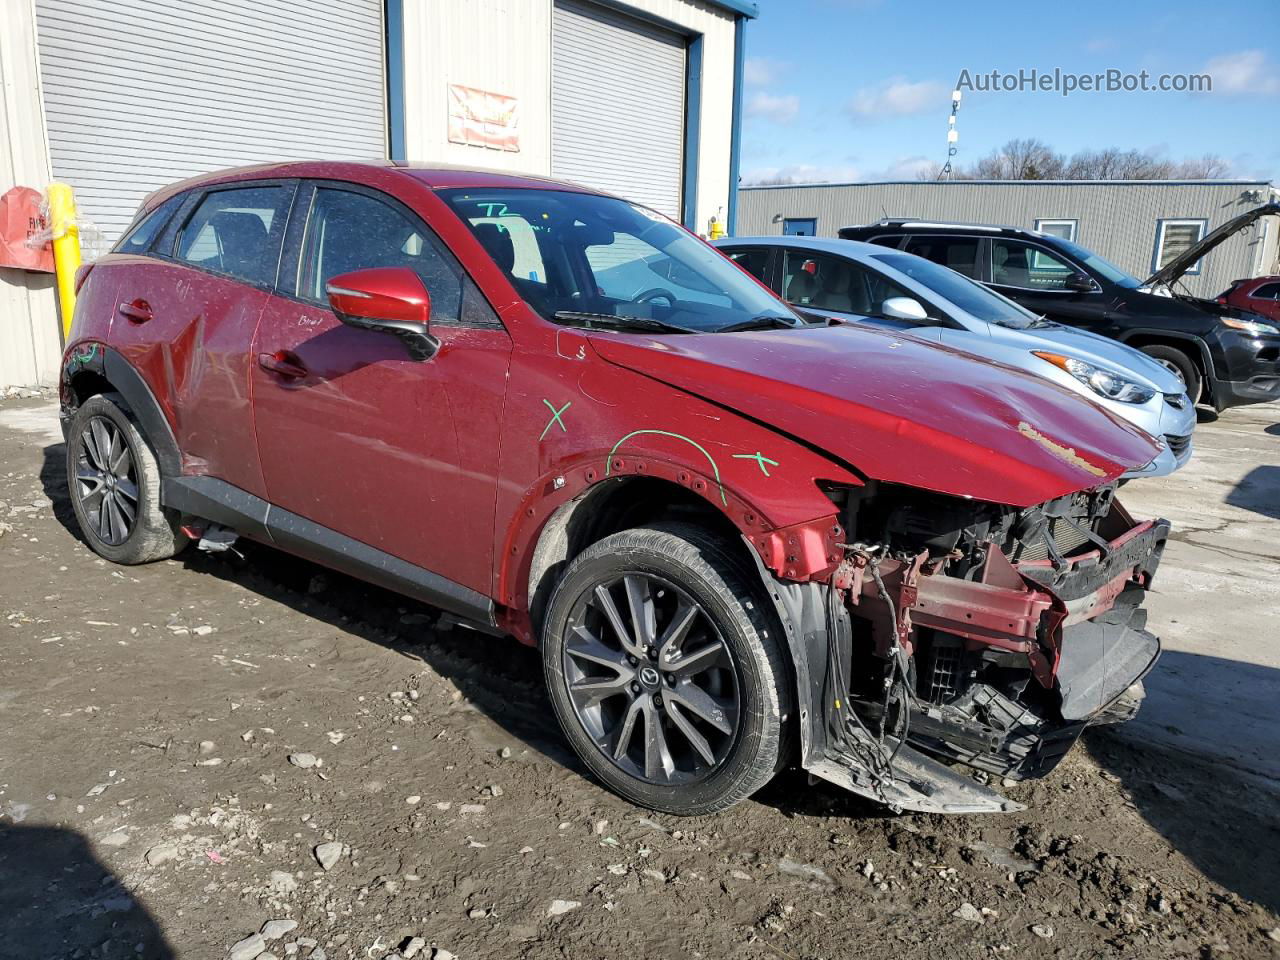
pixel 952 136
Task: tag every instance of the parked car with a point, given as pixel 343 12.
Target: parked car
pixel 727 530
pixel 1225 355
pixel 887 288
pixel 1258 295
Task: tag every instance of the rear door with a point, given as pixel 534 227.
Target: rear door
pixel 186 316
pixel 354 435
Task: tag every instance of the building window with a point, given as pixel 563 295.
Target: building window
pixel 800 227
pixel 1060 228
pixel 1174 238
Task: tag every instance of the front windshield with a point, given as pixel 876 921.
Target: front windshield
pixel 584 254
pixel 971 297
pixel 1099 264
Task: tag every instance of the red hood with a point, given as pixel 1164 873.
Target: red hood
pixel 899 410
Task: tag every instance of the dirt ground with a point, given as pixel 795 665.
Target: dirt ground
pixel 156 799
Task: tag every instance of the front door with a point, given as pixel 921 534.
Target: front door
pixel 829 284
pixel 1036 277
pixel 353 434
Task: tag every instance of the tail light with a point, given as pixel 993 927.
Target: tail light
pixel 82 274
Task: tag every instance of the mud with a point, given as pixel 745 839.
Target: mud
pixel 149 806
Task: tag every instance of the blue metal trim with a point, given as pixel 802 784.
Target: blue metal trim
pixel 393 27
pixel 743 8
pixel 692 130
pixel 735 129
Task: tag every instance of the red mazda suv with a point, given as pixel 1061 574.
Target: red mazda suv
pixel 738 538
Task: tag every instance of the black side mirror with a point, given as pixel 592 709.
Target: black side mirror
pixel 1079 283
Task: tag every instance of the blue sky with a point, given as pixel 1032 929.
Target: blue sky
pixel 861 89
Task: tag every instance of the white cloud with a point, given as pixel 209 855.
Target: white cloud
pixel 907 168
pixel 779 109
pixel 899 97
pixel 802 173
pixel 762 71
pixel 1245 72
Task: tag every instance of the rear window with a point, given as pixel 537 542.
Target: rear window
pixel 140 237
pixel 230 232
pixel 956 253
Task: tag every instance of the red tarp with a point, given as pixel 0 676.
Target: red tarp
pixel 21 218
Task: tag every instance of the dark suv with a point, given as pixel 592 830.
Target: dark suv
pixel 558 415
pixel 1225 355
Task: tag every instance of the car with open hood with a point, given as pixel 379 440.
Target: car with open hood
pixel 866 283
pixel 1225 355
pixel 738 539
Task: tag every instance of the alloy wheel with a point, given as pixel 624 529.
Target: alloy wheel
pixel 655 687
pixel 106 481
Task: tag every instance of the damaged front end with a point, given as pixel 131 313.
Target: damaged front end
pixel 956 630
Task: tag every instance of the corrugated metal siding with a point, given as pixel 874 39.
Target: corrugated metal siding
pixel 139 93
pixel 30 336
pixel 617 104
pixel 1117 220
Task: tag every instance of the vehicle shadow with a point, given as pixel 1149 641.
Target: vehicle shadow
pixel 497 675
pixel 1207 415
pixel 1273 430
pixel 1213 811
pixel 58 900
pixel 1259 491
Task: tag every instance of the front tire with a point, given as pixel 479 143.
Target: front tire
pixel 665 667
pixel 1174 359
pixel 114 483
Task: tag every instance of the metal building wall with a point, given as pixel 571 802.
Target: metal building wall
pixel 1118 219
pixel 141 93
pixel 30 337
pixel 504 46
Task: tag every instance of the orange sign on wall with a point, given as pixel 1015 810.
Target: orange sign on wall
pixel 21 219
pixel 483 119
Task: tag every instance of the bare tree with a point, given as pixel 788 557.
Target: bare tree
pixel 1020 159
pixel 1031 159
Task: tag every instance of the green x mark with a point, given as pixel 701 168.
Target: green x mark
pixel 759 458
pixel 555 417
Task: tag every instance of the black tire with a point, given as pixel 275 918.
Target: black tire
pixel 1123 709
pixel 732 611
pixel 119 516
pixel 1180 363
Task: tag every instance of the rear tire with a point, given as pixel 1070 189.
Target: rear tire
pixel 664 664
pixel 113 480
pixel 1181 364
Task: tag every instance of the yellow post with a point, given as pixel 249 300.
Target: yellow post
pixel 66 249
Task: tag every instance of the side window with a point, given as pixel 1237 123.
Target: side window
pixel 354 231
pixel 1018 264
pixel 754 260
pixel 231 232
pixel 1268 291
pixel 833 283
pixel 958 253
pixel 145 231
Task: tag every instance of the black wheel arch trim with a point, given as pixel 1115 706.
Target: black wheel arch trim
pixel 1210 376
pixel 124 378
pixel 220 502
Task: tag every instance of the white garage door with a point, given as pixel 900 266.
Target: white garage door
pixel 140 93
pixel 617 104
